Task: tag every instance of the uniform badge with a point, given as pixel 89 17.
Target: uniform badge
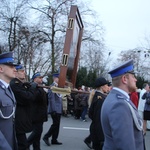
pixel 99 97
pixel 16 82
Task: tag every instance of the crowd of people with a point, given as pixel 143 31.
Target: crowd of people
pixel 119 114
pixel 24 107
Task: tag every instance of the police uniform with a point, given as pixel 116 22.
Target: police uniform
pixel 55 109
pixel 121 122
pixel 7 109
pixel 39 115
pixel 24 95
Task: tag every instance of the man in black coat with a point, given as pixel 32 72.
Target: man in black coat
pixel 24 95
pixel 39 114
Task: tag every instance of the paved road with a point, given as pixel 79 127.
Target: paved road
pixel 147 140
pixel 72 134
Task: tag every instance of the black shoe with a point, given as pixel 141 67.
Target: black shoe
pixel 46 141
pixel 56 143
pixel 148 129
pixel 88 144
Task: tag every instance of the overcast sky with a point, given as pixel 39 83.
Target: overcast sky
pixel 127 22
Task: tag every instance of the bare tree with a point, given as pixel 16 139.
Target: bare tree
pixel 93 44
pixel 39 43
pixel 141 61
pixel 54 16
pixel 54 22
pixel 32 50
pixel 11 15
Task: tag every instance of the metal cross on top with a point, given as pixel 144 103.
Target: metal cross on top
pixel 71 52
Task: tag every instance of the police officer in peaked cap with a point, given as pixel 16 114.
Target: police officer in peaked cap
pixel 7 102
pixel 25 95
pixel 121 123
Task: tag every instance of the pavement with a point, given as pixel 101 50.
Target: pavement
pixel 147 140
pixel 72 133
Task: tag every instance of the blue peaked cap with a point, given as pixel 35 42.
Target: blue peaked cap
pixel 19 67
pixel 7 59
pixel 37 74
pixel 56 75
pixel 127 67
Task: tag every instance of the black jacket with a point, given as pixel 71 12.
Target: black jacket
pixel 39 110
pixel 24 98
pixel 95 114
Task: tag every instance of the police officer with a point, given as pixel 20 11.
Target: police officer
pixel 121 123
pixel 39 112
pixel 55 104
pixel 24 94
pixel 7 103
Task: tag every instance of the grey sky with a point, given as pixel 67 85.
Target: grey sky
pixel 126 22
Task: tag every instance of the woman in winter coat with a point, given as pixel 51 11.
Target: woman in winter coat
pixel 96 131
